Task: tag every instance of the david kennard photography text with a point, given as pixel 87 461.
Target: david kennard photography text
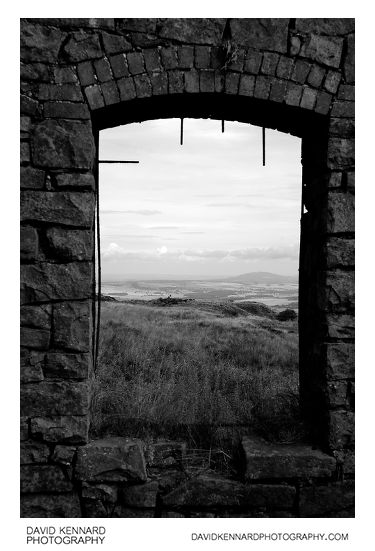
pixel 65 535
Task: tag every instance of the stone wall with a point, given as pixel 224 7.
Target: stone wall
pixel 81 75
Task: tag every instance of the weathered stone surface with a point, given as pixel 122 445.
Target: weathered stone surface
pixel 103 492
pixel 284 67
pixel 36 316
pixel 32 178
pixel 35 71
pixel 75 180
pixel 82 46
pixel 65 75
pixel 332 81
pixel 278 91
pixel 191 79
pixel 66 110
pixel 300 71
pixel 24 152
pixel 70 429
pixel 165 453
pixel 60 92
pixel 86 73
pixel 340 252
pixel 94 97
pixel 40 43
pixel 34 452
pixel 127 88
pixel 195 31
pixel 55 398
pixel 110 93
pixel 207 81
pixel 253 61
pixel 125 512
pixel 346 92
pixel 103 69
pixel 185 56
pixel 336 292
pixel 111 460
pixel 308 98
pixel 323 103
pixel 316 501
pixel 268 34
pixel 340 213
pixel 338 394
pixel 316 75
pixel 63 144
pixel 119 65
pixel 135 63
pixel 46 282
pixel 65 207
pixel 29 106
pixel 143 86
pixel 247 85
pixel 24 428
pixel 72 326
pixel 29 243
pixel 212 491
pixel 32 364
pixel 331 26
pixel 64 455
pixel 67 366
pixel 69 245
pixel 115 43
pixel 140 495
pixel 264 461
pixel 323 49
pixel 269 63
pixel 293 94
pixel 35 338
pixel 232 81
pixel 340 326
pixel 43 478
pixel 343 109
pixel 50 506
pixel 159 84
pixel 341 429
pixel 340 360
pixel 349 66
pixel 169 57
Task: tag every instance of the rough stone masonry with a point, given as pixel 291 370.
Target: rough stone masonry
pixel 82 75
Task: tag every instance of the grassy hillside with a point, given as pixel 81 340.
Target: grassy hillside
pixel 196 370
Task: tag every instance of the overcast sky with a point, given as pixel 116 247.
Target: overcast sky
pixel 207 208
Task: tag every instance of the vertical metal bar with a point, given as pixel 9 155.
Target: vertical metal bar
pixel 182 132
pixel 222 126
pixel 264 145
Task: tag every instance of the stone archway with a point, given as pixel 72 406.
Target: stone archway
pixel 79 76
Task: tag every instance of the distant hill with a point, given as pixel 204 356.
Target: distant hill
pixel 263 278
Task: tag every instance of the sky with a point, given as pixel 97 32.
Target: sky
pixel 207 208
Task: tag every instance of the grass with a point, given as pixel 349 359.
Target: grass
pixel 207 372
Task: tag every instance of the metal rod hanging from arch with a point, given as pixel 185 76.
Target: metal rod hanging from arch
pixel 264 145
pixel 182 132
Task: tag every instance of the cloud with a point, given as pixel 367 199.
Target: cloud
pixel 163 227
pixel 143 212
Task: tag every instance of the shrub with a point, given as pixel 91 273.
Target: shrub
pixel 287 315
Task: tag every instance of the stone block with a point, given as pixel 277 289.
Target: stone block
pixel 35 72
pixel 337 394
pixel 50 506
pixel 25 153
pixel 60 92
pixel 281 461
pixel 28 243
pixel 340 326
pixel 140 495
pixel 141 25
pixel 219 82
pixel 344 128
pixel 293 94
pixel 340 361
pixel 65 75
pixel 66 110
pixel 24 428
pixel 349 60
pixel 253 61
pixel 350 181
pixel 114 44
pixel 43 478
pixel 64 455
pixel 185 56
pixel 67 245
pixel 126 88
pixel 103 69
pixel 346 92
pixel 323 49
pixel 343 109
pixel 63 144
pixel 340 429
pixel 152 60
pixel 331 26
pixel 300 71
pixel 55 398
pixel 110 93
pixel 308 98
pixel 82 46
pixel 106 493
pixel 336 292
pixel 69 429
pixel 247 85
pixel 94 97
pixel 340 252
pixel 126 512
pixel 86 73
pixel 207 81
pixel 317 501
pixel 32 178
pixel 340 153
pixel 119 66
pixel 159 84
pixel 168 57
pixel 269 63
pixel 72 326
pixel 202 57
pixel 67 366
pixel 135 63
pixel 316 75
pixel 192 30
pixel 34 452
pixel 74 180
pixel 285 67
pixel 35 333
pixel 40 43
pixel 332 81
pixel 295 45
pixel 143 87
pixel 58 207
pixel 232 83
pixel 93 508
pixel 165 453
pixel 208 491
pixel 278 91
pixel 261 34
pixel 340 217
pixel 32 364
pixel 111 460
pixel 191 80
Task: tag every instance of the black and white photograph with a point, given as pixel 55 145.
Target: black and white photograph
pixel 187 269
